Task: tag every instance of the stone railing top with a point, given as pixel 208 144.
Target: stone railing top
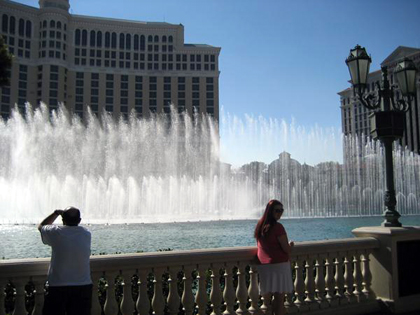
pixel 217 256
pixel 395 231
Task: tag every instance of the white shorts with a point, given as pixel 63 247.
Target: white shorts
pixel 275 278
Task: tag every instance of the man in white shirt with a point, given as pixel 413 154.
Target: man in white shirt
pixel 70 284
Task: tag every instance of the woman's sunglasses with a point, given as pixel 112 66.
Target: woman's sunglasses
pixel 279 210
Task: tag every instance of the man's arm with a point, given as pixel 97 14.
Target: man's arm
pixel 50 219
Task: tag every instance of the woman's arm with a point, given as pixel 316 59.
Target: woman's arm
pixel 284 243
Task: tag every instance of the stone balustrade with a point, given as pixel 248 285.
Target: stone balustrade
pixel 330 276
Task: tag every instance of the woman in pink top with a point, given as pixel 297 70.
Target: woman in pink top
pixel 274 256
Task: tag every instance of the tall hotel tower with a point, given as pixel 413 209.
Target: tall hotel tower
pixel 107 64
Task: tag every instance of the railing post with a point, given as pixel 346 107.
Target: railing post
pixel 39 283
pixel 111 306
pixel 299 286
pixel 320 282
pixel 96 306
pixel 187 296
pixel 394 266
pixel 143 302
pixel 357 276
pixel 310 284
pixel 339 280
pixel 201 295
pixel 158 302
pixel 127 303
pixel 348 277
pixel 329 281
pixel 289 304
pixel 229 292
pixel 253 291
pixel 367 276
pixel 173 299
pixel 215 293
pixel 266 307
pixel 241 290
pixel 20 308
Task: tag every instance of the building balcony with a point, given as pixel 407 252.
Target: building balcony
pixel 342 276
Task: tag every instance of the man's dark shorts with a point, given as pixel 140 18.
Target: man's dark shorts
pixel 69 300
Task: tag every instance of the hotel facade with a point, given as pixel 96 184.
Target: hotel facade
pixel 111 65
pixel 355 117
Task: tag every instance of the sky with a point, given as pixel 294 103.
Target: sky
pixel 282 61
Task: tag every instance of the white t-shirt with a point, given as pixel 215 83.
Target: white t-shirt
pixel 70 258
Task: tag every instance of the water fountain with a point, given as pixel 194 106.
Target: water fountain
pixel 166 169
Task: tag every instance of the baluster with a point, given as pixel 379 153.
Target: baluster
pixel 20 308
pixel 39 283
pixel 229 292
pixel 187 296
pixel 329 281
pixel 111 306
pixel 158 301
pixel 339 280
pixel 173 299
pixel 143 303
pixel 216 294
pixel 253 291
pixel 310 284
pixel 127 303
pixel 367 276
pixel 266 307
pixel 290 306
pixel 320 283
pixel 96 306
pixel 299 286
pixel 348 277
pixel 3 283
pixel 241 290
pixel 357 275
pixel 201 295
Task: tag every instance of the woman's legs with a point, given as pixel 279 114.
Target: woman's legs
pixel 278 304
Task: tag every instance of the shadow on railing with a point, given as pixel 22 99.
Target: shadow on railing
pixel 329 276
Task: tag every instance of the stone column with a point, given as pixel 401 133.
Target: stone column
pixel 395 266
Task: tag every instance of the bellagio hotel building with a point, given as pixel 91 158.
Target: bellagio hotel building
pixel 111 65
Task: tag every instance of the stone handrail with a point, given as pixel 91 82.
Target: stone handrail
pixel 326 274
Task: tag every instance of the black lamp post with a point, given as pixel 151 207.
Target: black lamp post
pixel 388 120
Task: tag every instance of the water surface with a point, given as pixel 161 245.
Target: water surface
pixel 23 241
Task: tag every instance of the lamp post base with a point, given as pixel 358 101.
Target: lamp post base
pixel 391 219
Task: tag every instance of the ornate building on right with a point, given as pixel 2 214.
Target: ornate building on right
pixel 355 117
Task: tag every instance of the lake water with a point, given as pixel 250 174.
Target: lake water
pixel 23 241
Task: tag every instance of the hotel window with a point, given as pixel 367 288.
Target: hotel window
pixel 114 40
pixel 5 22
pixel 107 39
pixel 128 42
pixel 84 37
pixel 122 41
pixel 142 42
pixel 77 37
pixel 92 39
pixel 12 25
pixel 99 39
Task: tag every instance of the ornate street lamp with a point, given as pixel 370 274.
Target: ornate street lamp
pixel 388 120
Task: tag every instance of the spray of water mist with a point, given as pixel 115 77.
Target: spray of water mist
pixel 165 169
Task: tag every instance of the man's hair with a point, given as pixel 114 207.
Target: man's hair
pixel 71 216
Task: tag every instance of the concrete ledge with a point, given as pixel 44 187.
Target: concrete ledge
pixel 367 307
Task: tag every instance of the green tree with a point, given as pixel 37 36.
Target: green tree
pixel 5 63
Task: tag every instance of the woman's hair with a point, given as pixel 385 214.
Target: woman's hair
pixel 267 220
